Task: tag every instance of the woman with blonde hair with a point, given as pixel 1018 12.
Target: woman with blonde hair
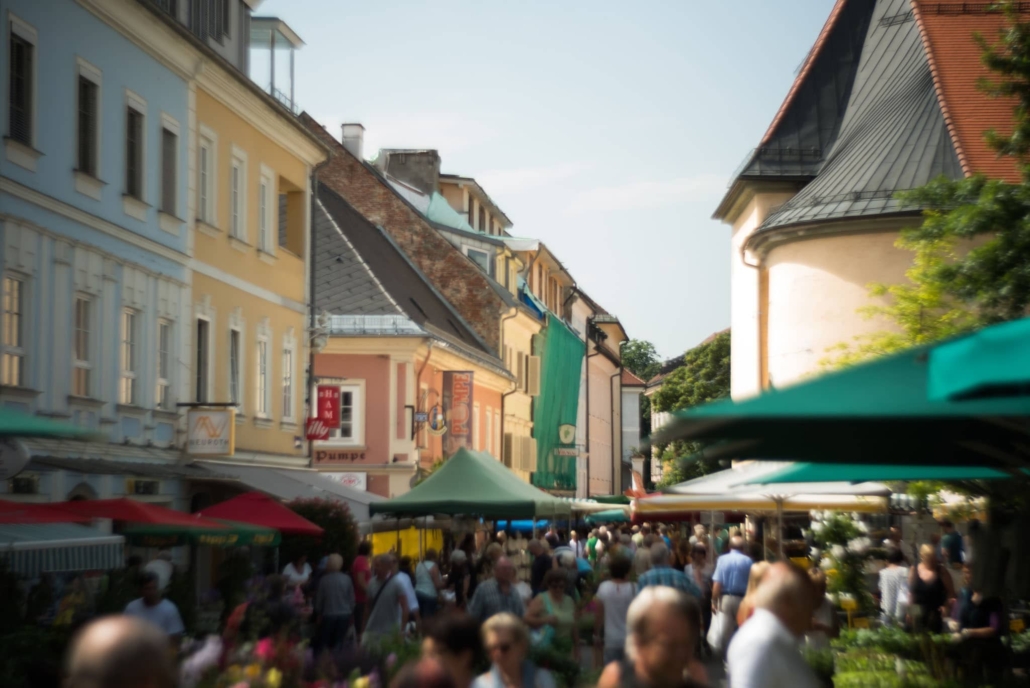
pixel 747 605
pixel 506 640
pixel 932 590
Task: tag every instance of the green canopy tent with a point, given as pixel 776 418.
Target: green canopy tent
pixel 860 473
pixel 876 413
pixel 610 516
pixel 474 483
pixel 992 362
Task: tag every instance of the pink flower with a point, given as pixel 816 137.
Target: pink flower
pixel 391 660
pixel 264 649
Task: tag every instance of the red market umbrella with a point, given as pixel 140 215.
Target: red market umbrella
pixel 21 514
pixel 132 511
pixel 259 509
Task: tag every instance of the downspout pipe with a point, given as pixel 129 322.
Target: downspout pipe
pixel 616 451
pixel 586 362
pixel 514 384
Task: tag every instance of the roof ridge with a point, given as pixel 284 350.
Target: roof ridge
pixel 806 68
pixel 938 88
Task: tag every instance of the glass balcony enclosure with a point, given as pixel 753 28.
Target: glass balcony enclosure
pixel 272 48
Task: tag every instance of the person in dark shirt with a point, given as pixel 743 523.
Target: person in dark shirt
pixel 981 624
pixel 552 536
pixel 951 545
pixel 542 563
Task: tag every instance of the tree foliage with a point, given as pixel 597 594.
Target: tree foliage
pixel 340 536
pixel 704 377
pixel 640 358
pixel 971 262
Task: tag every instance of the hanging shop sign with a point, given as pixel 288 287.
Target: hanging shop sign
pixel 211 432
pixel 457 409
pixel 328 408
pixel 437 422
pixel 316 429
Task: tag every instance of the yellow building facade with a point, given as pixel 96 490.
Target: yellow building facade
pixel 251 171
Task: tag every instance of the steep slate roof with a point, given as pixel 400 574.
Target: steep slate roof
pixel 377 278
pixel 892 136
pixel 947 30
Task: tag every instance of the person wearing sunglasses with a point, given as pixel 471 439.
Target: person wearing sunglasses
pixel 506 640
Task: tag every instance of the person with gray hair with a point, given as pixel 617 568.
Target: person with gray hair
pixel 498 594
pixel 642 557
pixel 662 573
pixel 386 597
pixel 662 629
pixel 334 604
pixel 765 652
pixel 120 651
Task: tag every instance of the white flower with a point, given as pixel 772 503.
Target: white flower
pixel 863 527
pixel 860 545
pixel 837 551
pixel 816 554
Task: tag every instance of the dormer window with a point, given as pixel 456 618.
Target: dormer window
pixel 480 258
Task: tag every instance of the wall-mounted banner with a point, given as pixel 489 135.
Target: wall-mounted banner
pixel 329 405
pixel 457 409
pixel 210 432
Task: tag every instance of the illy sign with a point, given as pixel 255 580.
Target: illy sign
pixel 317 429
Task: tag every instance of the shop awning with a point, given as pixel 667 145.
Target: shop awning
pixel 992 362
pixel 677 507
pixel 222 534
pixel 610 516
pixel 34 549
pixel 132 511
pixel 17 513
pixel 289 484
pixel 258 509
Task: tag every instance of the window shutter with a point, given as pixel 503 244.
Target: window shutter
pixel 531 451
pixel 169 150
pixel 521 372
pixel 534 376
pixel 508 450
pixel 20 90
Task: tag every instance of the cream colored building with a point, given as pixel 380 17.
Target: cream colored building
pixel 813 209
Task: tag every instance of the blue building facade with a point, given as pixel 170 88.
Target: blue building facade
pixel 94 250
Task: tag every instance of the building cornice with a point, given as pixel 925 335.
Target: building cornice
pixel 450 359
pixel 764 241
pixel 371 346
pixel 743 191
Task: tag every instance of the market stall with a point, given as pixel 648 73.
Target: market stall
pixel 259 509
pixel 33 549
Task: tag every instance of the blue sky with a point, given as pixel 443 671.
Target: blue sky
pixel 606 129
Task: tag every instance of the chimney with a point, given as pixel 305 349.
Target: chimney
pixel 353 139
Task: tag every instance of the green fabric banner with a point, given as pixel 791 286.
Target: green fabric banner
pixel 558 404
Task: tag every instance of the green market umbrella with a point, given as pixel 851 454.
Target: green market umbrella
pixel 474 483
pixel 610 516
pixel 229 534
pixel 860 473
pixel 992 362
pixel 875 413
pixel 17 424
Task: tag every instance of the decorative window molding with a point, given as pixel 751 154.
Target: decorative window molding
pixel 83 345
pixel 263 371
pixel 238 195
pixel 22 91
pixel 289 377
pixel 203 346
pixel 268 212
pixel 129 353
pixel 88 132
pixel 207 177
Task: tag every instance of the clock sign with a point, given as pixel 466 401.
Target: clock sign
pixel 13 457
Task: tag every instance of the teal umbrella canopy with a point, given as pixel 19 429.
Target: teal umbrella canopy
pixel 17 424
pixel 992 362
pixel 875 413
pixel 860 473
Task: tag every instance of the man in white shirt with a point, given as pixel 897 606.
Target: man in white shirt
pixel 159 612
pixel 765 651
pixel 162 567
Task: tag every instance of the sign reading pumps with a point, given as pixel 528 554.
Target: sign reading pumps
pixel 457 410
pixel 211 432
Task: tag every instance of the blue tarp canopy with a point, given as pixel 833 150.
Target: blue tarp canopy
pixel 54 547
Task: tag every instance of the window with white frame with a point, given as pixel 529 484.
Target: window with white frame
pixel 164 365
pixel 288 384
pixel 82 354
pixel 134 147
pixel 88 120
pixel 169 169
pixel 480 258
pixel 262 391
pixel 238 199
pixel 206 166
pixel 235 359
pixel 352 406
pixel 266 208
pixel 202 367
pixel 128 393
pixel 12 371
pixel 21 82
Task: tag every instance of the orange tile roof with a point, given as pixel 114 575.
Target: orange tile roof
pixel 631 380
pixel 947 30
